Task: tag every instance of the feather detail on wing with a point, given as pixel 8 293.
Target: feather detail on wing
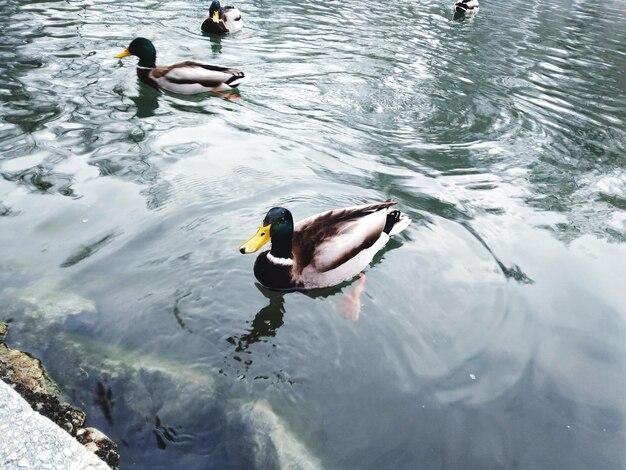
pixel 231 14
pixel 328 240
pixel 190 72
pixel 232 19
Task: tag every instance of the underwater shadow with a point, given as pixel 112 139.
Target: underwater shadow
pixel 269 319
pixel 458 16
pixel 215 40
pixel 265 322
pixel 147 102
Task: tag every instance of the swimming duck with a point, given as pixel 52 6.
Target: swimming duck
pixel 222 20
pixel 466 7
pixel 186 78
pixel 322 250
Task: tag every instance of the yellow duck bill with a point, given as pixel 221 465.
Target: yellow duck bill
pixel 124 53
pixel 261 237
pixel 216 16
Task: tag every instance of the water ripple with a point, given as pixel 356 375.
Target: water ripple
pixel 498 135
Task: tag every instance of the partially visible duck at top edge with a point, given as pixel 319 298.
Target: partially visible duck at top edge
pixel 466 7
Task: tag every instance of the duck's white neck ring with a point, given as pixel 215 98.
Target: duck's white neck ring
pixel 281 261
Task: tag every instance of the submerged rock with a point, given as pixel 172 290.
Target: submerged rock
pixel 26 375
pixel 275 446
pixel 173 414
pixel 98 443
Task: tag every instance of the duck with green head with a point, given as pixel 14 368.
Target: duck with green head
pixel 322 250
pixel 187 78
pixel 222 20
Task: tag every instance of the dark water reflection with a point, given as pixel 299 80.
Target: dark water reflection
pixel 147 102
pixel 491 333
pixel 265 322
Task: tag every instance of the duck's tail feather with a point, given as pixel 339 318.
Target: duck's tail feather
pixel 396 222
pixel 236 79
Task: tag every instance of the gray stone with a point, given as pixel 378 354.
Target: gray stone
pixel 26 375
pixel 54 448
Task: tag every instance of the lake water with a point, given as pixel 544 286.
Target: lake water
pixel 492 332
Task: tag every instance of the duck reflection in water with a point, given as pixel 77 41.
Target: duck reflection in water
pixel 147 101
pixel 270 318
pixel 265 322
pixel 216 43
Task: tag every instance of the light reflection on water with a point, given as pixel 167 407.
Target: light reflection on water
pixel 491 333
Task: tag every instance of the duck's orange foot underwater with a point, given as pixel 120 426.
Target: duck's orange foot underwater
pixel 227 96
pixel 351 303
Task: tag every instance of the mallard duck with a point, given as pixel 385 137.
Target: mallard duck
pixel 186 78
pixel 222 20
pixel 466 7
pixel 322 250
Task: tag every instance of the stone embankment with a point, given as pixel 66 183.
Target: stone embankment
pixel 40 431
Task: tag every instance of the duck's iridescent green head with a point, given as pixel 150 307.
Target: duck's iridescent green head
pixel 142 48
pixel 215 11
pixel 278 226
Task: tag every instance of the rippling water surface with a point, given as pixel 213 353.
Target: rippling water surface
pixel 492 332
